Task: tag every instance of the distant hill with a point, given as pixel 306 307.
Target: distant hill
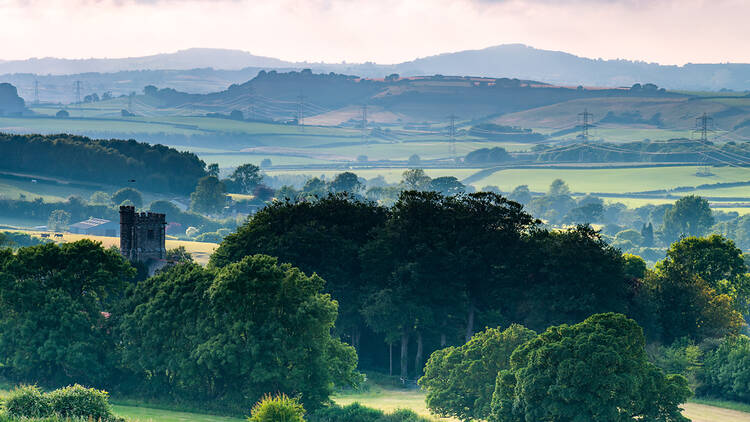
pixel 521 61
pixel 509 61
pixel 184 59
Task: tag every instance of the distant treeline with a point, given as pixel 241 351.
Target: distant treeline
pixel 156 167
pixel 504 133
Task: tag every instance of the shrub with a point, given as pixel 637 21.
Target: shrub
pixel 279 408
pixel 726 372
pixel 358 413
pixel 78 401
pixel 27 401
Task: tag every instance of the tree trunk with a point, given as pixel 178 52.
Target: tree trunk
pixel 390 358
pixel 443 337
pixel 355 338
pixel 470 320
pixel 418 357
pixel 404 356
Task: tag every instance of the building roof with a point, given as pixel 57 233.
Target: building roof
pixel 90 223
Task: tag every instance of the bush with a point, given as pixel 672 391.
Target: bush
pixel 279 408
pixel 78 401
pixel 358 413
pixel 27 401
pixel 726 371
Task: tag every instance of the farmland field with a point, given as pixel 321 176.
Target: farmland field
pixel 612 180
pixel 201 251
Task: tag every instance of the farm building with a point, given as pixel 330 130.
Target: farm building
pixel 96 227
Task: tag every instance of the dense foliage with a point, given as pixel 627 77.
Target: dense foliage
pixel 154 167
pixel 358 413
pixel 460 381
pixel 74 401
pixel 596 370
pixel 53 302
pixel 727 370
pixel 279 408
pixel 236 333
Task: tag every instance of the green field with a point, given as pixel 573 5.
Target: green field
pixel 612 180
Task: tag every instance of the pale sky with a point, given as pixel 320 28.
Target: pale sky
pixel 383 31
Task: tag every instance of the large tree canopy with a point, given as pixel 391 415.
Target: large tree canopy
pixel 460 381
pixel 594 371
pixel 233 334
pixel 54 307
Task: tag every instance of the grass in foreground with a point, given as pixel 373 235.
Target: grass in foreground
pixel 390 399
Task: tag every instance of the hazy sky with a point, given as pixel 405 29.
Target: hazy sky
pixel 384 31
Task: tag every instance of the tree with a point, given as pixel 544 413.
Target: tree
pixel 345 182
pixel 100 198
pixel 687 306
pixel 256 302
pixel 460 381
pixel 726 371
pixel 520 194
pixel 213 169
pixel 558 188
pixel 236 115
pixel 647 232
pixel 690 216
pixel 447 185
pixel 717 261
pixel 314 187
pixel 58 220
pixel 585 214
pixel 128 194
pixel 265 163
pixel 596 370
pixel 415 179
pixel 54 302
pixel 209 196
pixel 245 178
pixel 324 236
pixel 414 160
pixel 62 114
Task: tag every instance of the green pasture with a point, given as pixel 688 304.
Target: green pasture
pixel 614 180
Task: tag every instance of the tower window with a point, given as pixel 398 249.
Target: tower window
pixel 150 235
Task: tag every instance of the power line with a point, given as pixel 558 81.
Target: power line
pixel 452 139
pixel 300 110
pixel 585 125
pixel 364 124
pixel 78 91
pixel 703 125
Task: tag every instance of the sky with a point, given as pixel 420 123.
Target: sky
pixel 381 31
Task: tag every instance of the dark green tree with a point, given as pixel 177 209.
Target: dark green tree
pixel 213 169
pixel 209 196
pixel 415 179
pixel 460 381
pixel 690 216
pixel 595 371
pixel 54 308
pixel 323 237
pixel 447 185
pixel 128 194
pixel 245 178
pixel 345 182
pixel 726 370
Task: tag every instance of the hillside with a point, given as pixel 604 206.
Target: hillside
pixel 509 61
pixel 184 59
pixel 281 96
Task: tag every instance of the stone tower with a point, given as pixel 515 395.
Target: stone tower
pixel 142 235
